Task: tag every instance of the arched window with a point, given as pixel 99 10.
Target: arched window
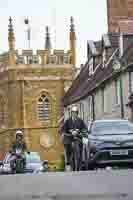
pixel 43 108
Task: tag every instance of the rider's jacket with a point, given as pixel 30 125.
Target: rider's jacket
pixel 72 124
pixel 16 146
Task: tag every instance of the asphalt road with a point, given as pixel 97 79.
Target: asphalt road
pixel 97 185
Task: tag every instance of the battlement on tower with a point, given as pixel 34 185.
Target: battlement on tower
pixel 40 56
pixel 44 56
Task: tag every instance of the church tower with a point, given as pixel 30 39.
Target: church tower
pixel 32 85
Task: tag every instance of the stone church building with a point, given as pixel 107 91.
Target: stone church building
pixel 32 85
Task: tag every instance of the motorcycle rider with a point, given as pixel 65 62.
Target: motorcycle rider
pixel 19 147
pixel 74 122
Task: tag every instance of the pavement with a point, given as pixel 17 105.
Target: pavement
pixel 88 185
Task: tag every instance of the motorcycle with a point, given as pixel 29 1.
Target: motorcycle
pixel 77 144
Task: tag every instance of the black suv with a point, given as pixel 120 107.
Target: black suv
pixel 110 143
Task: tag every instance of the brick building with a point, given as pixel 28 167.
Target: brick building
pixel 120 15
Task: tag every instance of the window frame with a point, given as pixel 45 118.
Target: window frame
pixel 43 111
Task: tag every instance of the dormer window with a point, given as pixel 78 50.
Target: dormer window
pixel 106 45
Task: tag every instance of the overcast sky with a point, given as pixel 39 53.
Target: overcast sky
pixel 90 22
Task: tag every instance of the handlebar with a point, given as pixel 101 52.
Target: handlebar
pixel 76 132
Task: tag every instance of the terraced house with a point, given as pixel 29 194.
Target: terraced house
pixel 32 84
pixel 105 82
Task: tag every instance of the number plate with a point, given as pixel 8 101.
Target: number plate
pixel 119 152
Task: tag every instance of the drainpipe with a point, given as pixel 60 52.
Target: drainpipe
pixel 93 107
pixel 121 97
pixel 121 91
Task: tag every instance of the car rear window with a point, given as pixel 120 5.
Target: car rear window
pixel 112 127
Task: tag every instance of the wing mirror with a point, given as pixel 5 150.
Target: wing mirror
pixel 45 165
pixel 45 162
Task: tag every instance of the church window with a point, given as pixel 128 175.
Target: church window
pixel 43 108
